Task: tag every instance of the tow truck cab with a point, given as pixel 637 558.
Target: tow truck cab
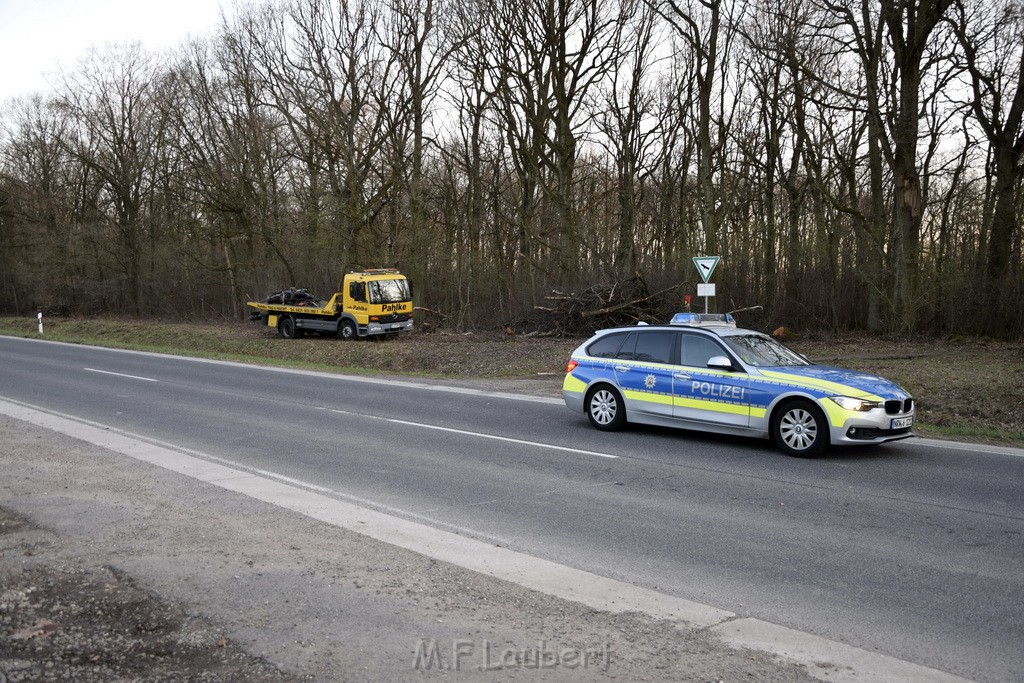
pixel 372 302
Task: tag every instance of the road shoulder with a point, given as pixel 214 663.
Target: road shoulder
pixel 294 597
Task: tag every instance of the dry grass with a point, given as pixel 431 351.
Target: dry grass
pixel 970 389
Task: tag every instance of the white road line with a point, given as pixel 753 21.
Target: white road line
pixel 844 662
pixel 966 446
pixel 362 379
pixel 121 374
pixel 481 435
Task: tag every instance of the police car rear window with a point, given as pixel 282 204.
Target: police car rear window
pixel 607 346
pixel 655 347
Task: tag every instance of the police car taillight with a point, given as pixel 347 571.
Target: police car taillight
pixel 571 365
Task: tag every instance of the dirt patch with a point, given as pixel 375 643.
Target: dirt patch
pixel 61 621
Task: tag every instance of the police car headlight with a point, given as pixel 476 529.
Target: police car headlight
pixel 857 404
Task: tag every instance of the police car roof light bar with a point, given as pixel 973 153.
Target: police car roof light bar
pixel 703 320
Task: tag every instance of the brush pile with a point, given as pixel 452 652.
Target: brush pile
pixel 578 314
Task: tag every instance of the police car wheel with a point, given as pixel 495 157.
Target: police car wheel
pixel 800 429
pixel 605 409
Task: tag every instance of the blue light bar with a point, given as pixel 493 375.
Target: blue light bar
pixel 703 320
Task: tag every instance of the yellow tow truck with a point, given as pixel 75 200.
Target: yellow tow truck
pixel 371 302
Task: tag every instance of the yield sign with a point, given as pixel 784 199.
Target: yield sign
pixel 706 265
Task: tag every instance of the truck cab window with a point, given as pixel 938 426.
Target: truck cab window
pixel 357 290
pixel 389 291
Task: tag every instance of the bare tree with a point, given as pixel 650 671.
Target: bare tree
pixel 120 124
pixel 40 251
pixel 333 83
pixel 626 116
pixel 992 39
pixel 233 165
pixel 421 48
pixel 707 32
pixel 894 40
pixel 546 57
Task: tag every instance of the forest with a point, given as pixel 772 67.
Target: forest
pixel 855 163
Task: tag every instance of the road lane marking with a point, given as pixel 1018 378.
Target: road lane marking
pixel 362 379
pixel 481 435
pixel 121 374
pixel 846 663
pixel 964 446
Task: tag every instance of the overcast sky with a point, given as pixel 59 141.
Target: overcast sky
pixel 38 36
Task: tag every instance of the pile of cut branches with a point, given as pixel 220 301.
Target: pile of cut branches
pixel 578 314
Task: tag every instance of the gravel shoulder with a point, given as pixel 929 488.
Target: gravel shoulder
pixel 116 570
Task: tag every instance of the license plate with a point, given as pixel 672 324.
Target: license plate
pixel 902 423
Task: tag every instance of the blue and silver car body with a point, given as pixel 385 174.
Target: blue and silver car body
pixel 713 376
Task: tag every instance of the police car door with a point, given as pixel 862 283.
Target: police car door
pixel 643 370
pixel 706 395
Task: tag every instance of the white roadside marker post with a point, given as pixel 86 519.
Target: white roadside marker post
pixel 39 315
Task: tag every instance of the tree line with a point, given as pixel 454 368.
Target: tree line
pixel 855 163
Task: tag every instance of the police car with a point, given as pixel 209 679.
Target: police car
pixel 702 372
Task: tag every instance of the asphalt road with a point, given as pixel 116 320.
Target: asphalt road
pixel 914 550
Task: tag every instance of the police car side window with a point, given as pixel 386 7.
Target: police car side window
pixel 626 352
pixel 698 350
pixel 655 346
pixel 607 346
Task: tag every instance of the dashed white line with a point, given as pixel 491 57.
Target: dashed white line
pixel 481 435
pixel 121 374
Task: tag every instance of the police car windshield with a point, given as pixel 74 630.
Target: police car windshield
pixel 761 351
pixel 388 291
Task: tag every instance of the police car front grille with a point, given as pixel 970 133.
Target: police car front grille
pixel 868 433
pixel 895 407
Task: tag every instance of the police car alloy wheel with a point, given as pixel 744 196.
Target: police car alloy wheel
pixel 605 409
pixel 800 429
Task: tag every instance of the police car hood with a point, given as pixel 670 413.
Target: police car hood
pixel 838 381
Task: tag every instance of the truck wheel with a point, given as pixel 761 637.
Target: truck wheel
pixel 286 327
pixel 347 330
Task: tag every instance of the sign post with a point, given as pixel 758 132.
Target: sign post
pixel 706 266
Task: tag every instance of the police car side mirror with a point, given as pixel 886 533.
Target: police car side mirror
pixel 720 363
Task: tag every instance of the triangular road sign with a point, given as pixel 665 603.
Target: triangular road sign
pixel 706 265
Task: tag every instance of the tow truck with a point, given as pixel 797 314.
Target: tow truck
pixel 371 302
